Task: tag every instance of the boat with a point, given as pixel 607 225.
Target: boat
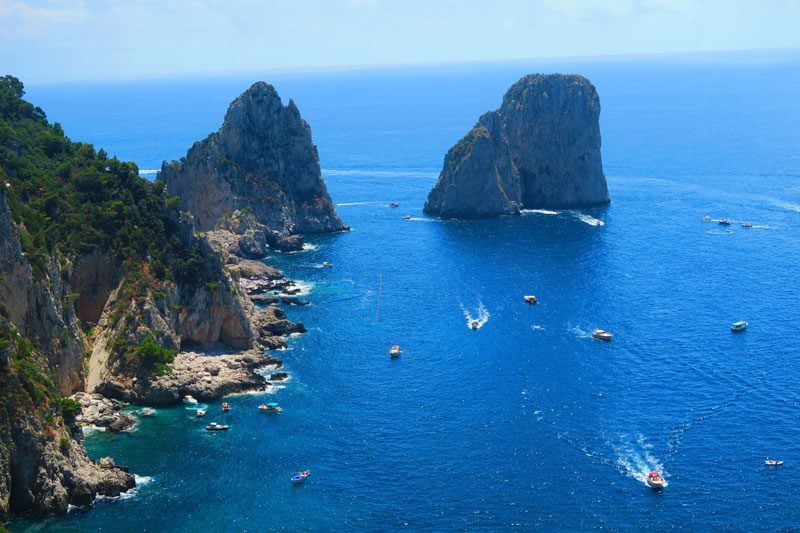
pixel 602 335
pixel 326 264
pixel 739 326
pixel 773 462
pixel 747 225
pixel 406 217
pixel 301 476
pixel 226 406
pixel 213 426
pixel 200 413
pixel 655 480
pixel 531 299
pixel 270 408
pixel 395 351
pixel 725 222
pixel 706 218
pixel 474 324
pixel 189 399
pixel 147 411
pixel 394 204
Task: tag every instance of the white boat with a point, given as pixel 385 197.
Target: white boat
pixel 531 299
pixel 395 351
pixel 406 217
pixel 201 413
pixel 326 264
pixel 739 326
pixel 773 462
pixel 602 335
pixel 270 408
pixel 147 411
pixel 213 426
pixel 655 480
pixel 747 225
pixel 189 399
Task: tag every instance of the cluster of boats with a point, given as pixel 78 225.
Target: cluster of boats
pixel 727 222
pixel 271 407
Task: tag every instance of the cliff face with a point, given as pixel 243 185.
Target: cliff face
pixel 262 163
pixel 540 149
pixel 43 467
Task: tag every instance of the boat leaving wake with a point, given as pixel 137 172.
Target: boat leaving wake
pixel 635 460
pixel 479 320
pixel 588 219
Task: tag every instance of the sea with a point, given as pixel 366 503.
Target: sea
pixel 527 422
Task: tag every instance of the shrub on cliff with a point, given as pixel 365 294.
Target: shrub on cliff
pixel 68 197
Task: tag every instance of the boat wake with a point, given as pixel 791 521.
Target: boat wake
pixel 635 459
pixel 587 219
pixel 539 211
pixel 580 333
pixel 481 316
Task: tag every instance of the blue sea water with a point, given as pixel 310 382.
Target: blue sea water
pixel 527 422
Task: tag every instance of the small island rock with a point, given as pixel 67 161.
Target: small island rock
pixel 540 149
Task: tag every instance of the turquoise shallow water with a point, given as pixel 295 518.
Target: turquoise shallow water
pixel 527 422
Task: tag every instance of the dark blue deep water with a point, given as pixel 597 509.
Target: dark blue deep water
pixel 527 422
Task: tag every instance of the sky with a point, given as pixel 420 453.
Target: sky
pixel 90 40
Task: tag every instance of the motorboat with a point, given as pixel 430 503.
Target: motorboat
pixel 474 324
pixel 725 222
pixel 189 399
pixel 326 264
pixel 147 411
pixel 270 408
pixel 531 299
pixel 226 406
pixel 602 335
pixel 394 204
pixel 655 480
pixel 200 413
pixel 301 476
pixel 773 462
pixel 739 326
pixel 406 217
pixel 395 350
pixel 747 225
pixel 213 426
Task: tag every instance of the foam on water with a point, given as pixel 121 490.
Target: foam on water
pixel 587 219
pixel 481 316
pixel 539 212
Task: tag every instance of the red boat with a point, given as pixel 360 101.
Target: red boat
pixel 655 480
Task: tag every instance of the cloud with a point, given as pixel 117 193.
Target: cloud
pixel 27 19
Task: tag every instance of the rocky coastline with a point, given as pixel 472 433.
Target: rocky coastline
pixel 85 334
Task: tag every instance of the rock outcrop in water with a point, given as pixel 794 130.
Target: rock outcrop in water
pixel 540 149
pixel 257 177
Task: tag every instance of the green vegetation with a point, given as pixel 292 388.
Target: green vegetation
pixel 69 197
pixel 154 357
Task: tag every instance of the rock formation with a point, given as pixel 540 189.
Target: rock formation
pixel 540 149
pixel 257 177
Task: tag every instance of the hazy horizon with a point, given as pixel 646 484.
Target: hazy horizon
pixel 45 41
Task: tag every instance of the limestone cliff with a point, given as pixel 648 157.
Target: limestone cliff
pixel 43 467
pixel 540 149
pixel 260 163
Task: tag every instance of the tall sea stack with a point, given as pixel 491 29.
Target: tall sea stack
pixel 540 149
pixel 262 168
